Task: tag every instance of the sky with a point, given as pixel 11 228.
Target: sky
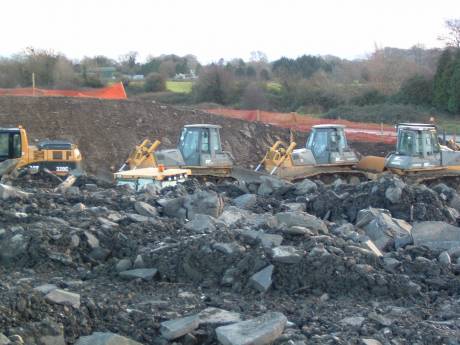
pixel 214 29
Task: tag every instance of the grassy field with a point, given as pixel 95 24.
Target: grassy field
pixel 179 86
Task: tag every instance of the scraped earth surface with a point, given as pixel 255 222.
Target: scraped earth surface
pixel 206 242
pixel 106 130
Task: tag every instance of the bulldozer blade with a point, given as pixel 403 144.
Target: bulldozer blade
pixel 6 167
pixel 372 164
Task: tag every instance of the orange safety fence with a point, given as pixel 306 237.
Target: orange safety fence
pixel 358 131
pixel 115 91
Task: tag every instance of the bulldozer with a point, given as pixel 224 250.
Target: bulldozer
pixel 59 157
pixel 199 150
pixel 419 157
pixel 326 155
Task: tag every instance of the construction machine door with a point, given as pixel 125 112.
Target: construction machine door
pixel 189 146
pixel 318 144
pixel 10 145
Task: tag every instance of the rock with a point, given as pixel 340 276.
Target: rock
pixel 353 321
pixel 245 201
pixel 12 247
pixel 92 240
pixel 173 207
pixel 107 224
pixel 295 206
pixel 393 194
pixel 262 280
pixel 137 218
pixel 139 262
pixel 262 330
pixel 217 317
pixel 232 216
pixel 303 219
pixel 372 247
pixel 391 264
pixel 146 274
pixel 4 340
pixel 201 223
pixel 444 258
pixel 173 329
pixel 436 235
pixel 269 185
pixel 123 265
pixel 381 228
pixel 229 248
pixel 297 230
pixel 286 254
pixel 380 319
pixel 106 338
pixel 63 297
pixel 145 209
pixel 268 240
pixel 204 202
pixel 370 341
pixel 9 192
pixel 46 288
pixel 305 187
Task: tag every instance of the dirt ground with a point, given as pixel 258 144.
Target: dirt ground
pixel 106 130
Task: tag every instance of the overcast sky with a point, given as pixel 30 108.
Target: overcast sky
pixel 211 29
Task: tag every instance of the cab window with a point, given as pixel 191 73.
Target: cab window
pixel 4 145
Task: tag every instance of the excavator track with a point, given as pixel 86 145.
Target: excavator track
pixel 450 178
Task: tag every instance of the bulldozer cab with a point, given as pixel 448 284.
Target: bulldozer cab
pixel 417 147
pixel 200 146
pixel 10 144
pixel 327 143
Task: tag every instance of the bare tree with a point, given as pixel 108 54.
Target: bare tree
pixel 452 38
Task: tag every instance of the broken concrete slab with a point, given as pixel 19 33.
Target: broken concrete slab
pixel 105 338
pixel 436 235
pixel 63 297
pixel 372 247
pixel 262 280
pixel 268 240
pixel 262 330
pixel 146 274
pixel 286 254
pixel 173 329
pixel 218 317
pixel 229 248
pixel 8 192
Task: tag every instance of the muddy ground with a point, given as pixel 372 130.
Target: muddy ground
pixel 106 130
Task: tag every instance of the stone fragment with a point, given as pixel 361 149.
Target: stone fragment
pixel 245 201
pixel 262 280
pixel 436 235
pixel 146 274
pixel 286 254
pixel 145 209
pixel 262 330
pixel 173 329
pixel 123 265
pixel 202 223
pixel 9 192
pixel 105 338
pixel 444 258
pixel 370 341
pixel 46 288
pixel 218 317
pixel 305 187
pixel 289 219
pixel 4 340
pixel 63 297
pixel 353 321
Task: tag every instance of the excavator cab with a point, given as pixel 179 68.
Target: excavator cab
pixel 57 156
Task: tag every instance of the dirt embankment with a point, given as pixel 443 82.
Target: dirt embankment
pixel 106 130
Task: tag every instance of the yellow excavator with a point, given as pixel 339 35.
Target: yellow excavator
pixel 59 157
pixel 326 154
pixel 199 150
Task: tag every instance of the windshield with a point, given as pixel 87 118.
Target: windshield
pixel 409 141
pixel 338 140
pixel 189 142
pixel 4 145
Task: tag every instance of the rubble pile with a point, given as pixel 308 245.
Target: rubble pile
pixel 274 263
